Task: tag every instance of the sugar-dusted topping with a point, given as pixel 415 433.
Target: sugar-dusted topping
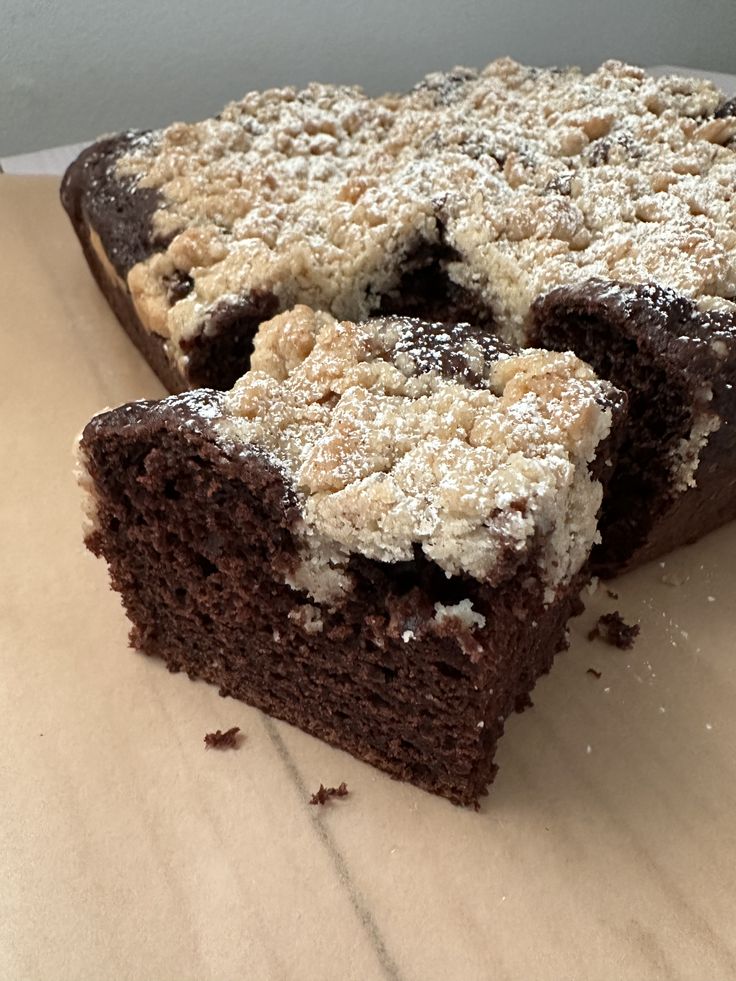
pixel 462 611
pixel 387 453
pixel 533 177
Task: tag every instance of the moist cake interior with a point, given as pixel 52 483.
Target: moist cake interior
pixel 426 291
pixel 659 417
pixel 673 480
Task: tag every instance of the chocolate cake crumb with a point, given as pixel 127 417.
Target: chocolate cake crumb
pixel 594 672
pixel 611 594
pixel 523 702
pixel 222 740
pixel 324 793
pixel 612 629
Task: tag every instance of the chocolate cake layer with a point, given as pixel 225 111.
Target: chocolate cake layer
pixel 334 562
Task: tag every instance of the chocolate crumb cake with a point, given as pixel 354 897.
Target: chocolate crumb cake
pixel 378 534
pixel 593 213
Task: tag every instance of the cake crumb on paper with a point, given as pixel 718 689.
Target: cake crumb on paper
pixel 613 629
pixel 523 702
pixel 324 793
pixel 222 740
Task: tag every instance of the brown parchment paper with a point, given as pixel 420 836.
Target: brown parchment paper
pixel 607 849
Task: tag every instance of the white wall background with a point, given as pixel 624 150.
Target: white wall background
pixel 71 69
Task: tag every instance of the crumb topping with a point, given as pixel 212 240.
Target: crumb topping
pixel 90 516
pixel 477 455
pixel 530 178
pixel 462 611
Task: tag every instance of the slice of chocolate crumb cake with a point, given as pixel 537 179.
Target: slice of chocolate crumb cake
pixel 378 535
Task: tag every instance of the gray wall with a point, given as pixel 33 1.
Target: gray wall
pixel 72 69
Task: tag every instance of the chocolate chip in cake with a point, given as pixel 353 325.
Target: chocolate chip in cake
pixel 726 109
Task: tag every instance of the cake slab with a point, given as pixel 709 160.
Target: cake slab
pixel 606 850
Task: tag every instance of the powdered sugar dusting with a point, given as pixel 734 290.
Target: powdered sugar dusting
pixel 534 178
pixel 386 453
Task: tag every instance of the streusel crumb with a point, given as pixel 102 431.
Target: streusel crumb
pixel 523 178
pixel 397 433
